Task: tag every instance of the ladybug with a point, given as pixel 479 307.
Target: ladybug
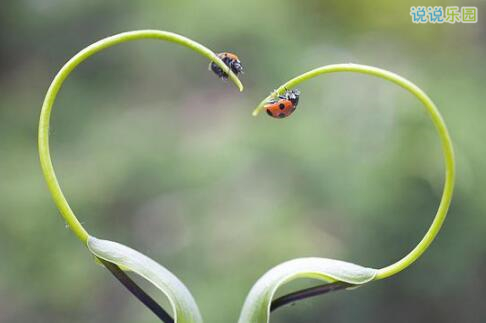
pixel 231 60
pixel 283 105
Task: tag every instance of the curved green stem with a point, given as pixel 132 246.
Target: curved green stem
pixel 441 128
pixel 45 157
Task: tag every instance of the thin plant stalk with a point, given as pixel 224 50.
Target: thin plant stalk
pixel 445 140
pixel 43 139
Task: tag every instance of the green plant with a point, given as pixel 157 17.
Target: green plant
pixel 118 258
pixel 113 255
pixel 339 274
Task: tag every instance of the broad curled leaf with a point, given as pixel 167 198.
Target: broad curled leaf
pixel 184 307
pixel 256 308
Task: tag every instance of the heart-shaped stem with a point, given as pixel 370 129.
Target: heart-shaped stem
pixel 43 140
pixel 437 120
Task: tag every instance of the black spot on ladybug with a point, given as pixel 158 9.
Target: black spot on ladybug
pixel 269 112
pixel 281 115
pixel 281 106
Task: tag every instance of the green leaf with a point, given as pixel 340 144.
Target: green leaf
pixel 257 305
pixel 184 307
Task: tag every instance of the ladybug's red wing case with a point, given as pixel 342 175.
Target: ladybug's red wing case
pixel 280 109
pixel 270 108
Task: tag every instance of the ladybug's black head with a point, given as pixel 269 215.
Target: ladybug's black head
pixel 233 63
pixel 293 96
pixel 236 66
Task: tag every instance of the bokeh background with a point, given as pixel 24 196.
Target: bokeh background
pixel 153 151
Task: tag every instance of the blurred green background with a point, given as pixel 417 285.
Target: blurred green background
pixel 153 151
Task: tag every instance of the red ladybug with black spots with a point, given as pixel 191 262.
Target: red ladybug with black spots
pixel 284 105
pixel 231 60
